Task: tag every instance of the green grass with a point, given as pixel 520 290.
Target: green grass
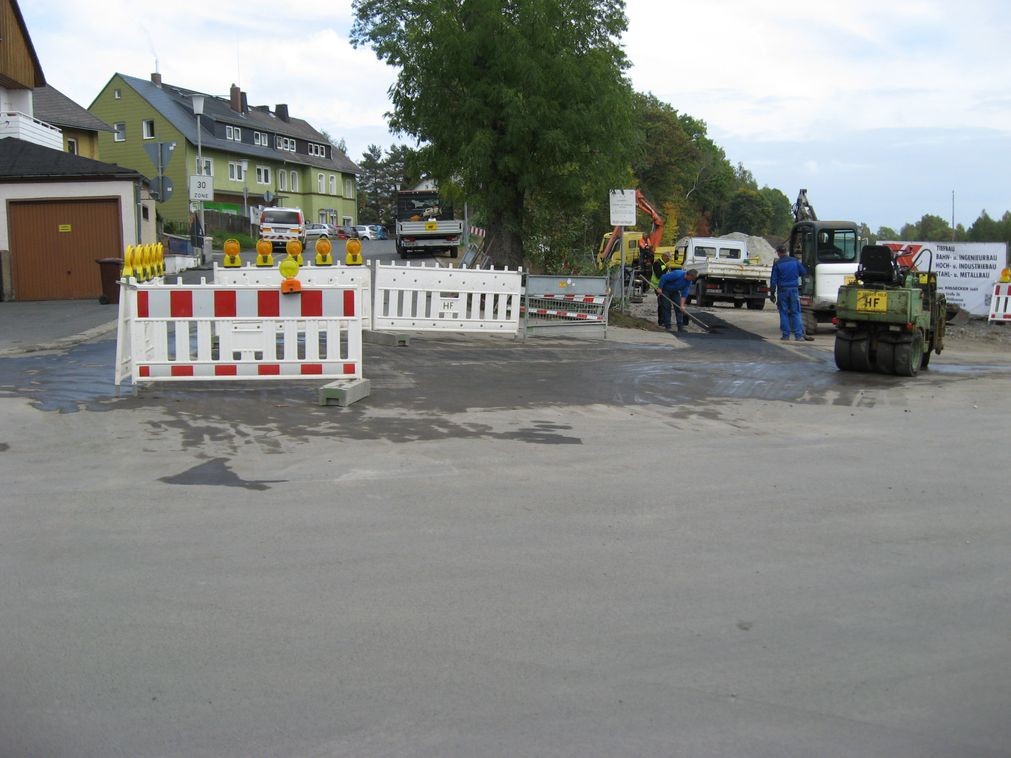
pixel 246 242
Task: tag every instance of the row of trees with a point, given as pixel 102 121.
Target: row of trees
pixel 931 228
pixel 523 109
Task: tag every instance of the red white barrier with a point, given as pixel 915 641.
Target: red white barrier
pixel 216 332
pixel 1000 303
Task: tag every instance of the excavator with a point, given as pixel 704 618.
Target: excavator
pixel 828 250
pixel 637 249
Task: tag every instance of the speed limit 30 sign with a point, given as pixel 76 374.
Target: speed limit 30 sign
pixel 201 188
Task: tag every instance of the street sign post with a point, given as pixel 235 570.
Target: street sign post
pixel 201 188
pixel 623 207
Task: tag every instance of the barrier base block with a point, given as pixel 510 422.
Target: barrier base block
pixel 343 392
pixel 385 338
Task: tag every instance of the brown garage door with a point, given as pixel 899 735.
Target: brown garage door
pixel 54 244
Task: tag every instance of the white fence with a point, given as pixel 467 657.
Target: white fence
pixel 187 332
pixel 431 298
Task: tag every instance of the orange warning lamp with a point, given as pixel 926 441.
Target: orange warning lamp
pixel 263 253
pixel 231 249
pixel 353 253
pixel 323 257
pixel 294 250
pixel 1005 275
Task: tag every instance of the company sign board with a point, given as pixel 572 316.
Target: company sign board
pixel 966 271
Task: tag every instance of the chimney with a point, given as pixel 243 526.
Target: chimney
pixel 156 78
pixel 235 99
pixel 281 111
pixel 245 102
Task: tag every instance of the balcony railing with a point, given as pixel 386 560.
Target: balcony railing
pixel 23 126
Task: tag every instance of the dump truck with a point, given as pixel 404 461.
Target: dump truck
pixel 727 273
pixel 425 224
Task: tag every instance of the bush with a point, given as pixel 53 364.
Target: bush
pixel 246 242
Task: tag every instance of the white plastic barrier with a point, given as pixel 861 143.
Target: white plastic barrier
pixel 1000 303
pixel 359 277
pixel 431 298
pixel 211 332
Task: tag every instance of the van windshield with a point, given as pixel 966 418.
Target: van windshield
pixel 281 217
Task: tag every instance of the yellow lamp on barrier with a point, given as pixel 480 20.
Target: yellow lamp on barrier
pixel 128 272
pixel 1005 275
pixel 159 256
pixel 264 252
pixel 294 250
pixel 353 253
pixel 145 271
pixel 323 256
pixel 288 268
pixel 231 249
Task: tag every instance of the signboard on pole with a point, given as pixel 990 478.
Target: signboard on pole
pixel 623 207
pixel 966 271
pixel 201 188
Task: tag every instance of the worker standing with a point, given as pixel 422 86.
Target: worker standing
pixel 787 273
pixel 660 266
pixel 674 286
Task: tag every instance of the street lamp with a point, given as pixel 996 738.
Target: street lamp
pixel 198 111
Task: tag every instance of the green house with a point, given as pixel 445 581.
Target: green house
pixel 254 156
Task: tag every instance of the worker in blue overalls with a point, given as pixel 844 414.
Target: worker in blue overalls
pixel 784 291
pixel 675 285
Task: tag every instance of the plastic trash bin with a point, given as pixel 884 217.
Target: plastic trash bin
pixel 110 269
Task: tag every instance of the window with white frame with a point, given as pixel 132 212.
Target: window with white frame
pixel 263 174
pixel 294 181
pixel 320 183
pixel 349 187
pixel 120 135
pixel 147 128
pixel 285 143
pixel 71 146
pixel 233 133
pixel 207 169
pixel 333 184
pixel 235 171
pixel 282 180
pixel 318 150
pixel 261 138
pixel 117 94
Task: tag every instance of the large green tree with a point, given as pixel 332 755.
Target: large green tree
pixel 513 102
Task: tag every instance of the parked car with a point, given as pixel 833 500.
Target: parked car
pixel 346 232
pixel 364 232
pixel 318 231
pixel 378 232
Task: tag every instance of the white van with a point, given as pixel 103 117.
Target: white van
pixel 278 225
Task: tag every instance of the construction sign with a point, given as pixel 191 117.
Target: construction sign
pixel 966 271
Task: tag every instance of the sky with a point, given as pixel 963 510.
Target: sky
pixel 884 110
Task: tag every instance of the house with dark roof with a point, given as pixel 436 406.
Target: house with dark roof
pixel 58 211
pixel 253 155
pixel 79 127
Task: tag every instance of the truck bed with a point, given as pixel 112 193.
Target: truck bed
pixel 726 270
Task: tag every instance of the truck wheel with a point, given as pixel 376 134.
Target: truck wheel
pixel 700 298
pixel 810 322
pixel 740 304
pixel 756 305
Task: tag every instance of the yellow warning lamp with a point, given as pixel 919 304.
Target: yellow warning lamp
pixel 263 253
pixel 323 248
pixel 1005 275
pixel 288 269
pixel 353 253
pixel 159 256
pixel 128 272
pixel 294 250
pixel 145 272
pixel 232 249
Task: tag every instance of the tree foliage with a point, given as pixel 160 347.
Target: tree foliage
pixel 513 102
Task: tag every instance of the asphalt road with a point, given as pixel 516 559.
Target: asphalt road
pixel 642 546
